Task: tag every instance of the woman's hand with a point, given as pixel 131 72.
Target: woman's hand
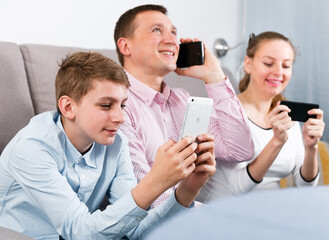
pixel 280 122
pixel 313 128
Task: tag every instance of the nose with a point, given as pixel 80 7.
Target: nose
pixel 278 70
pixel 118 115
pixel 170 37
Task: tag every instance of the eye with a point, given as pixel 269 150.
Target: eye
pixel 286 66
pixel 174 32
pixel 268 64
pixel 156 29
pixel 123 106
pixel 106 106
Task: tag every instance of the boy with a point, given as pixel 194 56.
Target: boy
pixel 56 171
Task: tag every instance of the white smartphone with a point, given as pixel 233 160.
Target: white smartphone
pixel 197 116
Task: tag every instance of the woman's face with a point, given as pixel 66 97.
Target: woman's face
pixel 271 68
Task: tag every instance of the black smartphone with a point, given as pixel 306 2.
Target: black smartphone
pixel 299 110
pixel 190 54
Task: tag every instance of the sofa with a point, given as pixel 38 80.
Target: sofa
pixel 27 82
pixel 27 88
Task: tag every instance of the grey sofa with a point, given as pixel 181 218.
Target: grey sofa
pixel 27 88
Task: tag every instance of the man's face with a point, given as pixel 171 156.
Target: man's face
pixel 99 114
pixel 154 45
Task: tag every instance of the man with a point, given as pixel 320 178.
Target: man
pixel 55 172
pixel 147 47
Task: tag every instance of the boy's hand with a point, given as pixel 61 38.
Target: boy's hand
pixel 190 187
pixel 173 162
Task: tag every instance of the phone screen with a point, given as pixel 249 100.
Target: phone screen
pixel 190 54
pixel 299 110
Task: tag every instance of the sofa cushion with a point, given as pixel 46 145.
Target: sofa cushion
pixel 16 106
pixel 41 63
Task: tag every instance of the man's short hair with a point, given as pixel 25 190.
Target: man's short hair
pixel 78 71
pixel 126 26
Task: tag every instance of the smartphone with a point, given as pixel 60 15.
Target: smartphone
pixel 190 54
pixel 197 116
pixel 299 110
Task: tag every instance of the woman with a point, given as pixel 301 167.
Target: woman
pixel 281 147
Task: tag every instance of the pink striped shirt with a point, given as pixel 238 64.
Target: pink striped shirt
pixel 152 118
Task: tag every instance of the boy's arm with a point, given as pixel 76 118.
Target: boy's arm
pixel 37 170
pixel 138 152
pixel 174 162
pixel 205 166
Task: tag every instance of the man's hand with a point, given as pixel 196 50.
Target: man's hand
pixel 205 167
pixel 209 72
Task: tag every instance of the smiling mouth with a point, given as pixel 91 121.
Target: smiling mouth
pixel 167 53
pixel 276 82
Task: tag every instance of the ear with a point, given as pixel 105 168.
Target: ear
pixel 67 105
pixel 247 64
pixel 124 46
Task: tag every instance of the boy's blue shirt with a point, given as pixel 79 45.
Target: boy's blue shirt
pixel 48 188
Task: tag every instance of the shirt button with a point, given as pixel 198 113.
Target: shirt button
pixel 139 219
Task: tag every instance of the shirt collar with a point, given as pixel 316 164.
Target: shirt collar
pixel 73 155
pixel 146 93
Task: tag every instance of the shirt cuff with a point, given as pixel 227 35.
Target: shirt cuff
pixel 174 206
pixel 308 181
pixel 220 90
pixel 251 177
pixel 128 213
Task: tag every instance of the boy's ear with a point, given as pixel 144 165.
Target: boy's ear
pixel 247 64
pixel 66 106
pixel 124 46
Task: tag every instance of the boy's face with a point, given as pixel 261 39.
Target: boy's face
pixel 99 114
pixel 154 46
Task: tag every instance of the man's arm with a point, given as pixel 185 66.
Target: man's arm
pixel 233 141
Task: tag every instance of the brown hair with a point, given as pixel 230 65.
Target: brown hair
pixel 253 46
pixel 78 71
pixel 126 26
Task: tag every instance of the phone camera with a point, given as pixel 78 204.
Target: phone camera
pixel 193 100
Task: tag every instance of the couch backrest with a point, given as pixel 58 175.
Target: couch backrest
pixel 41 64
pixel 16 106
pixel 27 82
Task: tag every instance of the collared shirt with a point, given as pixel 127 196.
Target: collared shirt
pixel 152 118
pixel 47 188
